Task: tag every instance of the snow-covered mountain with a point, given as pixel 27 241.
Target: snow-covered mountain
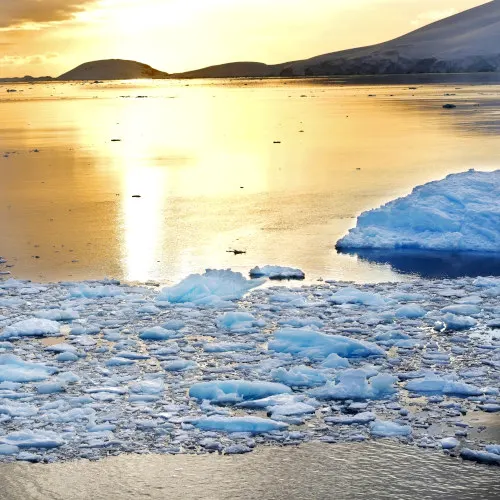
pixel 112 69
pixel 466 42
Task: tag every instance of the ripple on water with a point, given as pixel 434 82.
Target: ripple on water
pixel 381 470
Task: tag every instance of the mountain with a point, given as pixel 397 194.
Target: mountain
pixel 468 42
pixel 27 78
pixel 463 43
pixel 112 69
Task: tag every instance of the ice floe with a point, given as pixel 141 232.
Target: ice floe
pixel 213 366
pixel 460 212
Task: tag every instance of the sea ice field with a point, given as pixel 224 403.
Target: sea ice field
pixel 218 363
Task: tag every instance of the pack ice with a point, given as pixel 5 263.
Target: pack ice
pixel 458 213
pixel 101 368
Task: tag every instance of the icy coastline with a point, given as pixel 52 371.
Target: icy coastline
pixel 94 369
pixel 458 213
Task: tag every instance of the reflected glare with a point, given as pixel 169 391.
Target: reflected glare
pixel 219 165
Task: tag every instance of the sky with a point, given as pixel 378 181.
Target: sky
pixel 50 37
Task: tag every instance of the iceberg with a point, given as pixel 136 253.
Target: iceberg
pixel 237 322
pixel 277 273
pixel 254 425
pixel 458 213
pixel 360 418
pixel 14 369
pixel 434 383
pixel 32 439
pixel 318 346
pixel 355 384
pixel 209 289
pixel 235 391
pixel 381 428
pixel 482 457
pixel 299 376
pixel 33 327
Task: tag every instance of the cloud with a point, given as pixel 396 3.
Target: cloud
pixel 15 13
pixel 432 15
pixel 31 59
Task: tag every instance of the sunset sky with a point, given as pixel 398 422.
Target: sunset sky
pixel 49 37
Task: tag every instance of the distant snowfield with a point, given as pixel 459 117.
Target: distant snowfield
pixel 98 368
pixel 459 213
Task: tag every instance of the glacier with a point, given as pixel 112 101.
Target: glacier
pixel 458 213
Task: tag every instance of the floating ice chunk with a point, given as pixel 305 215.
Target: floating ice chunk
pixel 390 338
pixel 96 292
pixel 153 386
pixel 101 427
pixel 355 384
pixel 227 347
pixel 14 409
pixel 57 314
pixel 360 418
pixel 458 323
pixel 31 328
pixel 179 365
pixel 449 443
pixel 234 391
pixel 335 361
pixel 291 409
pixel 460 212
pixel 209 289
pixel 411 311
pixel 301 322
pixel 490 408
pixel 237 449
pixel 237 322
pixel 110 390
pixel 462 309
pixel 299 376
pixel 131 355
pixel 482 457
pixel 434 383
pixel 148 309
pixel 8 449
pixel 381 428
pixel 62 347
pixel 355 296
pixel 119 362
pixel 157 333
pixel 277 273
pixel 174 324
pixel 50 388
pixel 11 302
pixel 33 439
pixel 316 345
pixel 254 425
pixel 277 400
pixel 487 282
pixel 66 357
pixel 493 448
pixel 84 330
pixel 14 369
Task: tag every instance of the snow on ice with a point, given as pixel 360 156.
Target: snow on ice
pixel 210 365
pixel 460 212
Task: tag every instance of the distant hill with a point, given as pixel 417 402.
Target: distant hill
pixel 230 70
pixel 26 78
pixel 468 42
pixel 464 43
pixel 112 69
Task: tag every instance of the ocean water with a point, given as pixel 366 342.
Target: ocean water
pixel 154 180
pixel 381 471
pixel 276 168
